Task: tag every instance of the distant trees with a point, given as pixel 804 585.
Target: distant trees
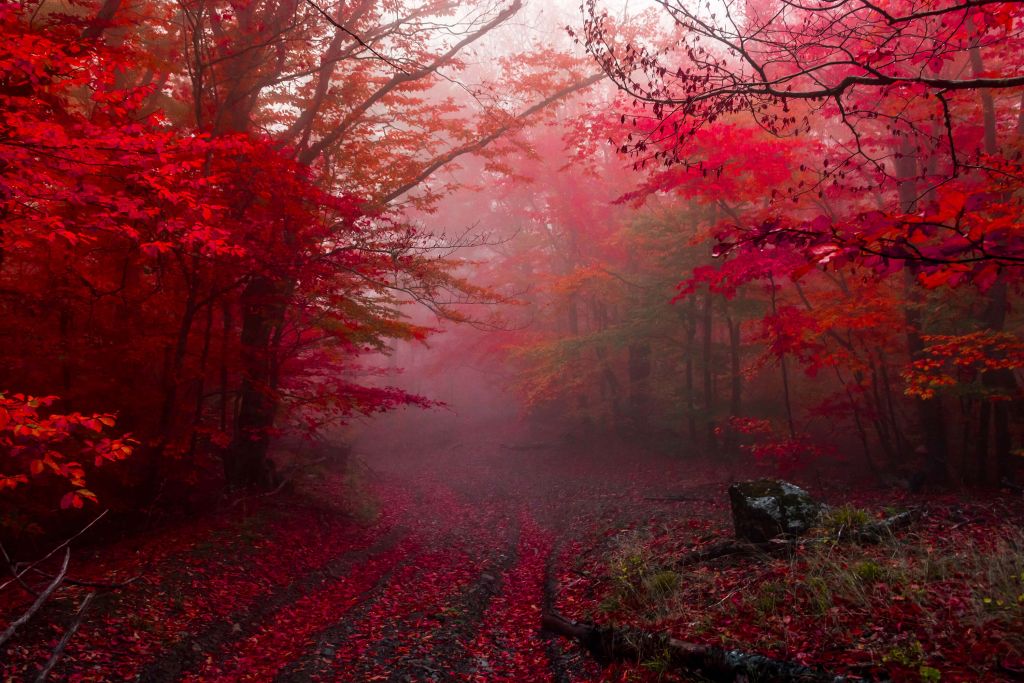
pixel 835 188
pixel 912 126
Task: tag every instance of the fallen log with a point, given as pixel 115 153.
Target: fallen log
pixel 881 530
pixel 620 644
pixel 732 548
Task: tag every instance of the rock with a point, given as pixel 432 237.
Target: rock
pixel 770 508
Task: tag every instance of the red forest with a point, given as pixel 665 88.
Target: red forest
pixel 503 340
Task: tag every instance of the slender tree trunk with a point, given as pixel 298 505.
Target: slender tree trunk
pixel 200 388
pixel 690 393
pixel 996 466
pixel 709 389
pixel 930 414
pixel 785 370
pixel 736 381
pixel 225 346
pixel 573 321
pixel 639 364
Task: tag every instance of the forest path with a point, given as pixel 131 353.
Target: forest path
pixel 446 584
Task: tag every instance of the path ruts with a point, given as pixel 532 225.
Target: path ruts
pixel 193 651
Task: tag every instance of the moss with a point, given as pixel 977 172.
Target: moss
pixel 910 655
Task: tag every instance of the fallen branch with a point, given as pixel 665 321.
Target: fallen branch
pixel 100 585
pixel 65 639
pixel 609 644
pixel 39 602
pixel 12 567
pixel 883 529
pixel 21 570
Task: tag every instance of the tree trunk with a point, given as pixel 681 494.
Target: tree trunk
pixel 997 465
pixel 709 391
pixel 929 411
pixel 639 363
pixel 691 397
pixel 246 463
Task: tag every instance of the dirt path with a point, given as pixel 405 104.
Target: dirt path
pixel 445 585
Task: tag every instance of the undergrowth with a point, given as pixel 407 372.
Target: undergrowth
pixel 941 602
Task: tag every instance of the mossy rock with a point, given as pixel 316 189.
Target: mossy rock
pixel 771 508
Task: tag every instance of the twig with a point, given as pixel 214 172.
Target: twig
pixel 48 555
pixel 265 494
pixel 68 634
pixel 1005 482
pixel 43 597
pixel 100 585
pixel 14 572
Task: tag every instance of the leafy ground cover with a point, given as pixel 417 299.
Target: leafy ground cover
pixel 443 577
pixel 943 601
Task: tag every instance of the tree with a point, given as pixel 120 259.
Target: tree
pixel 213 195
pixel 910 126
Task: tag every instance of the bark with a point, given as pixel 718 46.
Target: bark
pixel 102 20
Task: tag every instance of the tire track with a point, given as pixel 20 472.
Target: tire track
pixel 257 650
pixel 441 653
pixel 316 663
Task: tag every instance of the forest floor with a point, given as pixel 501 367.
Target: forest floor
pixel 433 563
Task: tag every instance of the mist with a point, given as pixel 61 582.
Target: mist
pixel 511 341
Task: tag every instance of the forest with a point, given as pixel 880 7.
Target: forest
pixel 512 340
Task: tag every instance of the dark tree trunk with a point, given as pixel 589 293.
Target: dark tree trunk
pixel 691 398
pixel 246 463
pixel 736 380
pixel 709 390
pixel 929 411
pixel 639 362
